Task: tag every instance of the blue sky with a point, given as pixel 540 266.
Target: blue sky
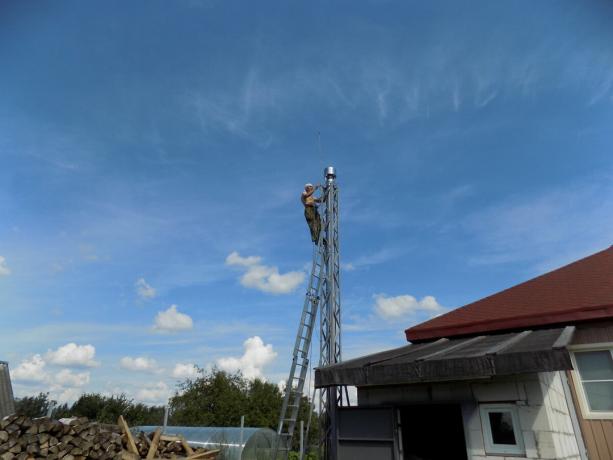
pixel 153 154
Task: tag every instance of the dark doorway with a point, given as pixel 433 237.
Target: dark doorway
pixel 433 432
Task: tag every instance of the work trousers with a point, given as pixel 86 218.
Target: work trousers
pixel 314 221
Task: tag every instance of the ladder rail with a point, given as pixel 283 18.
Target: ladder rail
pixel 300 357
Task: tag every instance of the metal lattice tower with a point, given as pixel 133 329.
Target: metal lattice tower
pixel 330 317
pixel 323 293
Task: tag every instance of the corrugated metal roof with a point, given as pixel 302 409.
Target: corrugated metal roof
pixel 579 291
pixel 455 359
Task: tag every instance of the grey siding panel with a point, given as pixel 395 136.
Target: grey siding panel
pixel 7 403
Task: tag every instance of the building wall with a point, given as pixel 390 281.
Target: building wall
pixel 7 404
pixel 597 434
pixel 544 415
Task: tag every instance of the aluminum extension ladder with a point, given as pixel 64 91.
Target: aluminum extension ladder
pixel 300 361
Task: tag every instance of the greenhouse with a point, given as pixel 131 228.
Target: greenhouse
pixel 234 443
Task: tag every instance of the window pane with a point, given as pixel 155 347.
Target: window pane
pixel 599 395
pixel 501 424
pixel 595 365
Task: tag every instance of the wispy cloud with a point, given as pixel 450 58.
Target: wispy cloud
pixel 144 290
pixel 4 269
pixel 139 364
pixel 570 222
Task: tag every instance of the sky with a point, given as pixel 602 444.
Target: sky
pixel 152 155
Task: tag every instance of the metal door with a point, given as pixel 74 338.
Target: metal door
pixel 367 433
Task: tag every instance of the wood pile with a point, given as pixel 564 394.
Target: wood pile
pixel 158 445
pixel 24 438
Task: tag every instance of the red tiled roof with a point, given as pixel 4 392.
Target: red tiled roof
pixel 579 291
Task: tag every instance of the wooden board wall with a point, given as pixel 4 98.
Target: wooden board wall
pixel 597 434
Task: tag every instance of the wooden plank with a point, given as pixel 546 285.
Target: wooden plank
pixel 154 444
pixel 126 430
pixel 188 449
pixel 601 442
pixel 565 337
pixel 607 428
pixel 585 425
pixel 125 455
pixel 590 441
pixel 204 455
pixel 169 437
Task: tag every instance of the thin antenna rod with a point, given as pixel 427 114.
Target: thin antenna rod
pixel 321 153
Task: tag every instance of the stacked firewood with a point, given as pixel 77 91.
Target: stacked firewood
pixel 23 438
pixel 157 445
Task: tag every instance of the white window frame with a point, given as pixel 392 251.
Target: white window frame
pixel 578 382
pixel 490 446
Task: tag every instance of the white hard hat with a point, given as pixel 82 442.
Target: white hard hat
pixel 307 185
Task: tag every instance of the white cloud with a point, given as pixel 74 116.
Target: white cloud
pixel 67 395
pixel 185 371
pixel 265 278
pixel 172 320
pixel 403 305
pixel 235 259
pixel 72 354
pixel 138 364
pixel 157 393
pixel 30 370
pixel 251 364
pixel 144 290
pixel 4 269
pixel 67 378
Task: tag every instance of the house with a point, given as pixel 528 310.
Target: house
pixel 524 373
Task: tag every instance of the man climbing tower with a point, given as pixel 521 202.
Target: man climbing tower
pixel 310 210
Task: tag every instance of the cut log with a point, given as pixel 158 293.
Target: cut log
pixel 126 431
pixel 154 443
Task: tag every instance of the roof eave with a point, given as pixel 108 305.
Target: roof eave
pixel 415 334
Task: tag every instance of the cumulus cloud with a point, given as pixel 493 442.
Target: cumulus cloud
pixel 172 320
pixel 138 364
pixel 67 395
pixel 4 269
pixel 252 362
pixel 157 393
pixel 264 278
pixel 403 305
pixel 72 354
pixel 144 290
pixel 67 378
pixel 30 370
pixel 185 371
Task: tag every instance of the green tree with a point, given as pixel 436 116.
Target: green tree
pixel 34 406
pixel 216 398
pixel 107 409
pixel 263 404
